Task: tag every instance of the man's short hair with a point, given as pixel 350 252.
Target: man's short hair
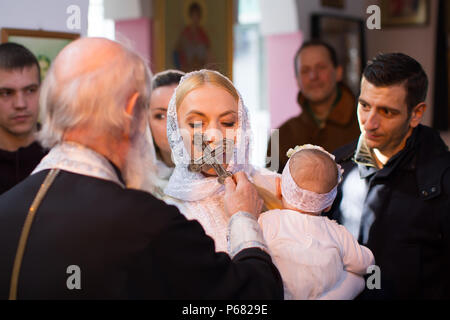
pixel 388 69
pixel 316 43
pixel 14 56
pixel 167 78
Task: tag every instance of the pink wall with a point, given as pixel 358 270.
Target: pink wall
pixel 281 83
pixel 136 33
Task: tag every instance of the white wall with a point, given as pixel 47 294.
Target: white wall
pixel 122 10
pixel 48 15
pixel 278 17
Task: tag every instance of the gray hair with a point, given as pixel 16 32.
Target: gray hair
pixel 93 98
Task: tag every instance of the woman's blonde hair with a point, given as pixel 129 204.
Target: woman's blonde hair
pixel 201 78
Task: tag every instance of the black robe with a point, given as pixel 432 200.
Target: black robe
pixel 17 165
pixel 126 243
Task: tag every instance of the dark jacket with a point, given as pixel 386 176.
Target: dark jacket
pixel 126 243
pixel 340 128
pixel 405 214
pixel 16 166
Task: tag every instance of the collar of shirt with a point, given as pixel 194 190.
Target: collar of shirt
pixel 79 159
pixel 367 165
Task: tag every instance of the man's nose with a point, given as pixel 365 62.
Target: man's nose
pixel 372 120
pixel 19 100
pixel 313 74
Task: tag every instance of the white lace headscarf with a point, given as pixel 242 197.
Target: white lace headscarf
pixel 302 199
pixel 191 186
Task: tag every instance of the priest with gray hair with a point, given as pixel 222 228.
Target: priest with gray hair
pixel 80 228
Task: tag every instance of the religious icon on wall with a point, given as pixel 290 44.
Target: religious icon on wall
pixel 193 34
pixel 339 4
pixel 193 48
pixel 404 12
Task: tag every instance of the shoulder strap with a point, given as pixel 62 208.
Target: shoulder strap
pixel 26 231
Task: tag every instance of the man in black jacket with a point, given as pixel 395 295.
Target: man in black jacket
pixel 72 230
pixel 19 109
pixel 395 197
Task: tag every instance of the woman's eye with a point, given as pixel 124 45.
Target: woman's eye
pixel 160 116
pixel 196 124
pixel 228 124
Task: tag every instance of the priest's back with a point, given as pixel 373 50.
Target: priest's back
pixel 92 239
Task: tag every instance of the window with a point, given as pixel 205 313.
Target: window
pixel 249 75
pixel 98 26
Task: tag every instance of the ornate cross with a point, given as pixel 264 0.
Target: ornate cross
pixel 211 156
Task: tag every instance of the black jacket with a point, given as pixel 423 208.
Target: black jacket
pixel 408 201
pixel 126 243
pixel 16 166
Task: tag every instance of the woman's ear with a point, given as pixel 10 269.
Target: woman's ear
pixel 278 188
pixel 327 209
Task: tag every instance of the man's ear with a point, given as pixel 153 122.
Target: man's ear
pixel 129 109
pixel 339 73
pixel 278 188
pixel 132 103
pixel 417 114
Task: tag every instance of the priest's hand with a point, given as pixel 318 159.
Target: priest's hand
pixel 241 195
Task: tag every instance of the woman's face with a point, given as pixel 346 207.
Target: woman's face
pixel 158 119
pixel 209 110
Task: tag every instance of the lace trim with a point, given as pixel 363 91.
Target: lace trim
pixel 244 232
pixel 302 199
pixel 76 158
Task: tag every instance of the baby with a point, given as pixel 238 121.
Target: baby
pixel 317 258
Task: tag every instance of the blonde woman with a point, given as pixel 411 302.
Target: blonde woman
pixel 207 102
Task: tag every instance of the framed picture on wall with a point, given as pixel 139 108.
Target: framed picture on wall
pixel 45 45
pixel 339 4
pixel 193 34
pixel 346 35
pixel 396 13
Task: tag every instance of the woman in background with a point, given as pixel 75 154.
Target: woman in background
pixel 163 87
